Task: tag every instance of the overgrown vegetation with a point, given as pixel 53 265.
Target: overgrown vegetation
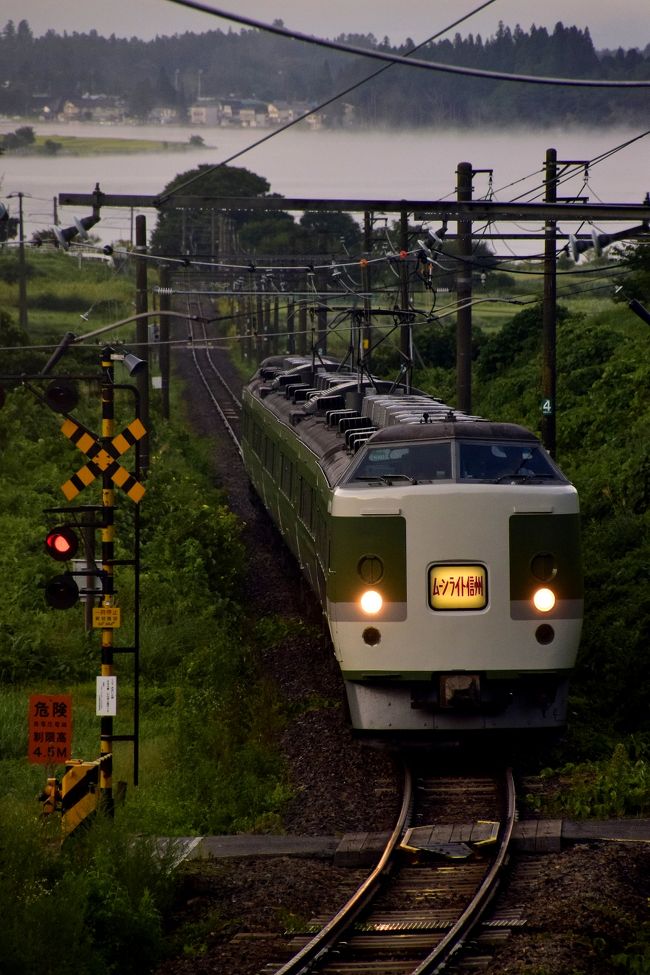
pixel 98 903
pixel 208 759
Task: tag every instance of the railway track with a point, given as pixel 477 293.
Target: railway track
pixel 428 892
pixel 225 401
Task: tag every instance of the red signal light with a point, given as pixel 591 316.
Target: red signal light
pixel 61 544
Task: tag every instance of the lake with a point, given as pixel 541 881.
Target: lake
pixel 338 164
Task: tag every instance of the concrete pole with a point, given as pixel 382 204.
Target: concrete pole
pixel 549 313
pixel 142 332
pixel 464 175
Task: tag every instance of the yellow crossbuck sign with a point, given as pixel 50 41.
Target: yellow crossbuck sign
pixel 103 460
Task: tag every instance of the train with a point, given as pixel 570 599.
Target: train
pixel 444 548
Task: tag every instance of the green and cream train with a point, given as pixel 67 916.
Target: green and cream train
pixel 444 548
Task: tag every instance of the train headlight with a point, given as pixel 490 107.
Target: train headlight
pixel 544 600
pixel 371 602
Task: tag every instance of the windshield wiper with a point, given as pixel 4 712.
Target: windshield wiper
pixel 521 476
pixel 385 478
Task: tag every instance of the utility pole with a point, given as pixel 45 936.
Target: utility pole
pixel 291 326
pixel 406 332
pixel 165 305
pixel 549 313
pixel 464 175
pixel 22 266
pixel 365 285
pixel 302 328
pixel 142 331
pixel 321 319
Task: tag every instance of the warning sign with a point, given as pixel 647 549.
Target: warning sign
pixel 50 729
pixel 106 617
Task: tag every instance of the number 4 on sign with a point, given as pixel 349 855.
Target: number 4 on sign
pixel 103 460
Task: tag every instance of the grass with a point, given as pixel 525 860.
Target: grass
pixel 71 145
pixel 62 288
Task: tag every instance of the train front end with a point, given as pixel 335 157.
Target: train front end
pixel 454 591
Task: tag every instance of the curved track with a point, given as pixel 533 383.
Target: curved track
pixel 393 923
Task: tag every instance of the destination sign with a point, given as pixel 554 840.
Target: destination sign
pixel 457 587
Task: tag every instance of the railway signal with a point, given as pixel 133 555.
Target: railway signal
pixel 61 544
pixel 61 395
pixel 62 591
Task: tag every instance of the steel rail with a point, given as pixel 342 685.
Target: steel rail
pixel 236 400
pixel 208 388
pixel 457 935
pixel 319 946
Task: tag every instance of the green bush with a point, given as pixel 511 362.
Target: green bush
pixel 619 786
pixel 98 902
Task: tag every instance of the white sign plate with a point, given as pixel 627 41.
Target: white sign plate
pixel 106 697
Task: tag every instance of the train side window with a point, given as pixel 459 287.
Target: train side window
pixel 306 503
pixel 321 535
pixel 286 475
pixel 269 455
pixel 257 440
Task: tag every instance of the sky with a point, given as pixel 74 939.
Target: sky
pixel 625 24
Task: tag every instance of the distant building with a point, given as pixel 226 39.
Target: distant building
pixel 245 112
pixel 92 108
pixel 249 113
pixel 164 115
pixel 280 113
pixel 206 112
pixel 45 107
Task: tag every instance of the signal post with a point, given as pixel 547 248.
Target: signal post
pixel 87 786
pixel 109 614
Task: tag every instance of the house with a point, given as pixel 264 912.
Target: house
pixel 279 113
pixel 206 112
pixel 164 115
pixel 246 112
pixel 92 108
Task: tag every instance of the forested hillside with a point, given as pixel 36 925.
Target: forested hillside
pixel 248 64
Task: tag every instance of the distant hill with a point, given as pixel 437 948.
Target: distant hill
pixel 169 74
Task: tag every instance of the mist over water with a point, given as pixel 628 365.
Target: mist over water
pixel 377 164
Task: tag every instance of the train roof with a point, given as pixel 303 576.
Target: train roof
pixel 334 412
pixel 465 430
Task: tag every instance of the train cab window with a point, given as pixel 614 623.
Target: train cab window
pixel 419 463
pixel 505 462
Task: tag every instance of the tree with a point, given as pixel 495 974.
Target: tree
pixel 635 283
pixel 191 231
pixel 329 231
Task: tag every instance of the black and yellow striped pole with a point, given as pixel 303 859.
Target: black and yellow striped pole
pixel 108 589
